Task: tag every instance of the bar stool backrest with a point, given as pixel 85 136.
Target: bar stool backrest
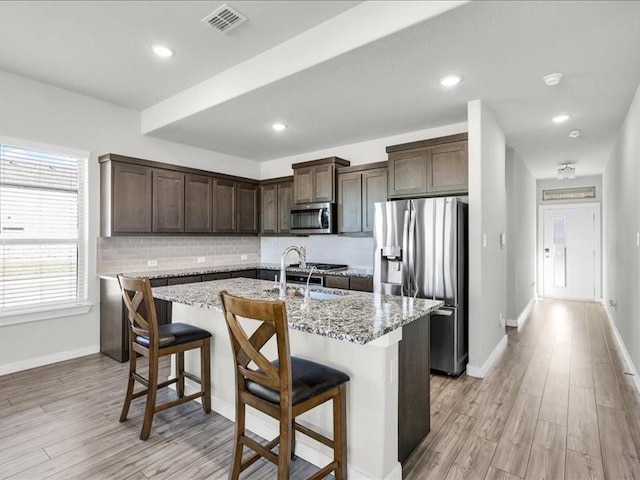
pixel 137 297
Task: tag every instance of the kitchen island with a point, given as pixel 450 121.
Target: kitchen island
pixel 380 341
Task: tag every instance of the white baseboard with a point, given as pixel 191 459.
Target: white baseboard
pixel 267 429
pixel 47 359
pixel 481 372
pixel 622 346
pixel 523 317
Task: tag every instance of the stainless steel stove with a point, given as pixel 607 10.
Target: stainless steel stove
pixel 322 266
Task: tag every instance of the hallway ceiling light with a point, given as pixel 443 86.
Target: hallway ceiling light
pixel 278 127
pixel 575 133
pixel 450 80
pixel 552 79
pixel 567 171
pixel 560 118
pixel 162 51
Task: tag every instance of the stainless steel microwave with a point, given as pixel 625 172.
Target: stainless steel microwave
pixel 312 218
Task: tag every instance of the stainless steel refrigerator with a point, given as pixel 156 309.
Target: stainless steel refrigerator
pixel 420 249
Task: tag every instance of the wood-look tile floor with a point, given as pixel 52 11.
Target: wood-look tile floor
pixel 61 422
pixel 560 404
pixel 557 405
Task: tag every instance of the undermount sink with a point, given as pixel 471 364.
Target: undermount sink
pixel 314 294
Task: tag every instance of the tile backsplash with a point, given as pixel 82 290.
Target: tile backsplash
pixel 357 252
pixel 132 254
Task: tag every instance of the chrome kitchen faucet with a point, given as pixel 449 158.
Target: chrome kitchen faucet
pixel 302 255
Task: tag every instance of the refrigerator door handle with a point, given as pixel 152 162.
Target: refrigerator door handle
pixel 406 278
pixel 444 313
pixel 412 254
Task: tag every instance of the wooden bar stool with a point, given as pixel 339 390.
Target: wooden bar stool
pixel 153 342
pixel 283 389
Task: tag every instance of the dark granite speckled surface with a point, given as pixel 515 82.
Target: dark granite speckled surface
pixel 184 272
pixel 355 317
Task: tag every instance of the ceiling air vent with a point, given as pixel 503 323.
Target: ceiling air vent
pixel 224 19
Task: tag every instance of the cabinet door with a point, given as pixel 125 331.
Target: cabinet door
pixel 198 204
pixel 448 169
pixel 285 201
pixel 247 221
pixel 323 183
pixel 408 173
pixel 131 197
pixel 184 280
pixel 303 185
pixel 245 274
pixel 168 201
pixel 350 202
pixel 224 206
pixel 269 208
pixel 374 189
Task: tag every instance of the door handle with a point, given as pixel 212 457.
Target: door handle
pixel 406 274
pixel 412 253
pixel 444 313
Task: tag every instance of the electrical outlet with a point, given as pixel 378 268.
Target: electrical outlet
pixel 243 257
pixel 152 263
pixel 202 259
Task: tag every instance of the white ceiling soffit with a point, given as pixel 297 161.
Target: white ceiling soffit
pixel 354 28
pixel 390 86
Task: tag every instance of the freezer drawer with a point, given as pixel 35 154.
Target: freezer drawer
pixel 449 351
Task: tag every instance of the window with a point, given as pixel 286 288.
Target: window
pixel 42 228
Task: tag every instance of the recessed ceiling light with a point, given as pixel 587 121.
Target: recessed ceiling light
pixel 560 118
pixel 450 80
pixel 553 79
pixel 162 51
pixel 278 127
pixel 575 133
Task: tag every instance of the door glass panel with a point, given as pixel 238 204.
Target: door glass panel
pixel 559 244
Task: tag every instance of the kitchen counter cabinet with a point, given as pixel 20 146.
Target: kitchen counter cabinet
pixel 359 188
pixel 126 200
pixel 168 201
pixel 315 181
pixel 275 206
pixel 434 167
pixel 380 341
pixel 198 204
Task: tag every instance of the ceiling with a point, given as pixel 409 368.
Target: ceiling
pixel 101 48
pixel 385 87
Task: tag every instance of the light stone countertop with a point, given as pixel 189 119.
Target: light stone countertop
pixel 356 317
pixel 184 272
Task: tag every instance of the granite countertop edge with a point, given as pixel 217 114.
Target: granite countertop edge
pixel 360 332
pixel 185 272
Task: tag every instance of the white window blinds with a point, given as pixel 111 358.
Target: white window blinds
pixel 42 239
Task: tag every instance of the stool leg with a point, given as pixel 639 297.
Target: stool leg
pixel 340 432
pixel 133 356
pixel 284 452
pixel 180 374
pixel 205 375
pixel 239 433
pixel 151 397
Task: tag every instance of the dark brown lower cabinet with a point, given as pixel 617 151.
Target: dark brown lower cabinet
pixel 414 405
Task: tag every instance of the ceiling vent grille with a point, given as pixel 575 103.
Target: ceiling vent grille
pixel 224 19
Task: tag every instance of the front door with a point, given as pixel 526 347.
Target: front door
pixel 570 253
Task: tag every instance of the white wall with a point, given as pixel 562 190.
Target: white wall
pixel 521 235
pixel 621 223
pixel 487 217
pixel 357 153
pixel 41 113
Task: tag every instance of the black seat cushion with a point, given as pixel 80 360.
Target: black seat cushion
pixel 308 380
pixel 175 334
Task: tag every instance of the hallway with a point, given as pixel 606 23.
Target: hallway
pixel 559 404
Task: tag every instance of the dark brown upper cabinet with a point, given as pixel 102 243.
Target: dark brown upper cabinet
pixel 433 167
pixel 168 201
pixel 315 181
pixel 276 198
pixel 125 192
pixel 247 209
pixel 198 204
pixel 224 206
pixel 145 197
pixel 359 188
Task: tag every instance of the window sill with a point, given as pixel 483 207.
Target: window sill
pixel 44 312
